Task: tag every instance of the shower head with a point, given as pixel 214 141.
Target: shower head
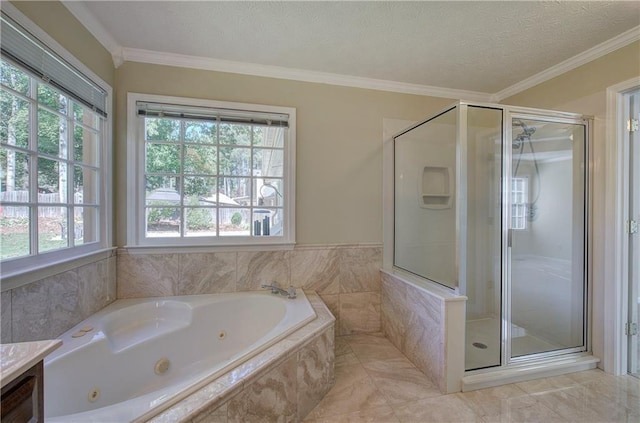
pixel 527 131
pixel 516 144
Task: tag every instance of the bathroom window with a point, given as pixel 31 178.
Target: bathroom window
pixel 52 141
pixel 519 203
pixel 210 173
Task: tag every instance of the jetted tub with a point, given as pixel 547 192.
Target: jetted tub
pixel 138 356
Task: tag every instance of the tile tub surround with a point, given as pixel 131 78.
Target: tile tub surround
pixel 46 308
pixel 428 327
pixel 347 277
pixel 281 384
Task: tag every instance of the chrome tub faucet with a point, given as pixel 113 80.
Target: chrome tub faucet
pixel 275 289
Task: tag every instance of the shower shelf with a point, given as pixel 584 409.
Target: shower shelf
pixel 435 187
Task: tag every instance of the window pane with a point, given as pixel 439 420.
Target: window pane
pixel 163 158
pixel 270 222
pixel 85 116
pixel 200 188
pixel 202 132
pixel 14 232
pixel 14 171
pixel 85 183
pixel 14 78
pixel 85 228
pixel 268 162
pixel 235 161
pixel 268 192
pixel 234 222
pixel 52 176
pixel 234 191
pixel 162 129
pixel 164 189
pixel 52 134
pixel 14 120
pixel 200 159
pixel 235 134
pixel 163 221
pixel 52 98
pixel 85 146
pixel 266 136
pixel 201 179
pixel 200 221
pixel 52 228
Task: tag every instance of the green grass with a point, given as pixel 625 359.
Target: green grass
pixel 17 244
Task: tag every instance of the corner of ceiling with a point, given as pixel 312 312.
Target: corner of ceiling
pixel 118 56
pixel 93 25
pixel 571 63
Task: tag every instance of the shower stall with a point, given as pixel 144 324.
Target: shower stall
pixel 492 201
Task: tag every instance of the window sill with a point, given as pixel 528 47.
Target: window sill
pixel 23 277
pixel 165 249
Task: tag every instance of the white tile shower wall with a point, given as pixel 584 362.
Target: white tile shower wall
pixel 347 277
pixel 46 308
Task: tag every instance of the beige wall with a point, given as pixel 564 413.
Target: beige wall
pixel 583 90
pixel 63 27
pixel 339 142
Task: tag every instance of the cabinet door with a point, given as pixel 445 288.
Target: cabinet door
pixel 22 398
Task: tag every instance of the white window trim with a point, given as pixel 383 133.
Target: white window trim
pixel 21 271
pixel 525 221
pixel 135 196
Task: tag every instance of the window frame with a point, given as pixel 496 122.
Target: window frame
pixel 22 270
pixel 523 204
pixel 136 224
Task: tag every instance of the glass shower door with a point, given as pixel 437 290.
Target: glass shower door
pixel 547 229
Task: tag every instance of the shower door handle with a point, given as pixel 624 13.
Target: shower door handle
pixel 509 236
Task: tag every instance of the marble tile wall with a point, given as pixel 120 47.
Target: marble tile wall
pixel 288 392
pixel 414 322
pixel 346 277
pixel 46 308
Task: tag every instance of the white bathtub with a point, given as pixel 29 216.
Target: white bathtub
pixel 111 373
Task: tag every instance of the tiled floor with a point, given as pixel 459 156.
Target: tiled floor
pixel 376 383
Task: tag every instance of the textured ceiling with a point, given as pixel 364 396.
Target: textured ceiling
pixel 478 46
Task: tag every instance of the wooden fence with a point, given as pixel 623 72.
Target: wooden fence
pixel 43 211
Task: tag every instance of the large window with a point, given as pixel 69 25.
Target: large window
pixel 52 141
pixel 211 173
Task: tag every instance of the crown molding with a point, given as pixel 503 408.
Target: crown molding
pixel 117 56
pixel 93 25
pixel 204 63
pixel 580 59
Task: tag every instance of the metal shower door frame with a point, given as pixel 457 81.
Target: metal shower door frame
pixel 509 114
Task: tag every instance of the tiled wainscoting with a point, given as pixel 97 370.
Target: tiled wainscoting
pixel 347 277
pixel 428 327
pixel 48 307
pixel 281 384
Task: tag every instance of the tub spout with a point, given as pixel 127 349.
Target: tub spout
pixel 275 289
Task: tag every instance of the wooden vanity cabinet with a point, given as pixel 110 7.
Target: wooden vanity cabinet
pixel 22 398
